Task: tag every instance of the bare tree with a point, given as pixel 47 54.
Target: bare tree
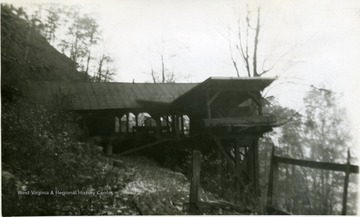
pixel 247 45
pixel 166 74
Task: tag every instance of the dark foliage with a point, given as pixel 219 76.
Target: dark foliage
pixel 41 151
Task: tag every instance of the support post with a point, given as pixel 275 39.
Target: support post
pixel 136 121
pixel 195 182
pixel 182 124
pixel 167 124
pixel 256 165
pixel 158 125
pixel 127 122
pixel 237 166
pixel 272 183
pixel 346 183
pixel 173 124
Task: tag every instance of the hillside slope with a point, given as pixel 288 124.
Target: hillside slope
pixel 25 54
pixel 149 189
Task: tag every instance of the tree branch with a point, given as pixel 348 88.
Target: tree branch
pixel 256 42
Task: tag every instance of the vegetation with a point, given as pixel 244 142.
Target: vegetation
pixel 319 134
pixel 43 150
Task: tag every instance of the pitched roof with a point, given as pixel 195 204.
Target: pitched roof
pixel 98 96
pixel 116 95
pixel 224 83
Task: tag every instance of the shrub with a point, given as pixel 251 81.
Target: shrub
pixel 41 151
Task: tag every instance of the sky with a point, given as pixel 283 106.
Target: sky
pixel 312 42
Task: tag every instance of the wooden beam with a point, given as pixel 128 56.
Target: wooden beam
pixel 317 165
pixel 269 199
pixel 257 100
pixel 255 147
pixel 127 122
pixel 195 182
pixel 240 121
pixel 237 165
pixel 182 124
pixel 136 120
pixel 211 100
pixel 346 183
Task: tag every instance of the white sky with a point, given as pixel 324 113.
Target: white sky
pixel 322 35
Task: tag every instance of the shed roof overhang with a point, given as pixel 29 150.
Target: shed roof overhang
pixel 242 86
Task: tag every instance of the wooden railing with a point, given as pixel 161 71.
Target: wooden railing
pixel 274 168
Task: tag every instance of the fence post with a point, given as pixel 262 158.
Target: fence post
pixel 346 183
pixel 272 183
pixel 195 182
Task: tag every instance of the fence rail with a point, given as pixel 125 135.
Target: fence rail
pixel 274 168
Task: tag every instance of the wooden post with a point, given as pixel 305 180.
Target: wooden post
pixel 272 184
pixel 173 124
pixel 346 183
pixel 256 165
pixel 127 122
pixel 237 166
pixel 195 182
pixel 182 124
pixel 136 121
pixel 158 125
pixel 167 124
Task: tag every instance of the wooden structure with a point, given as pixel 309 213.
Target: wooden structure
pixel 273 177
pixel 222 114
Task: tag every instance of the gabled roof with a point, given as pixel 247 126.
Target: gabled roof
pixel 105 95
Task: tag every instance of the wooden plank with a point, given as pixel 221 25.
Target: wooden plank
pixel 269 200
pixel 239 121
pixel 346 183
pixel 195 182
pixel 127 122
pixel 317 165
pixel 237 165
pixel 256 165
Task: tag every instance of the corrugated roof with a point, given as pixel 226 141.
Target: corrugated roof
pixel 98 96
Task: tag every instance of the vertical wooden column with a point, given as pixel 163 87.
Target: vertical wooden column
pixel 127 122
pixel 176 121
pixel 346 183
pixel 182 124
pixel 136 121
pixel 259 104
pixel 256 164
pixel 167 124
pixel 237 166
pixel 158 124
pixel 195 182
pixel 173 124
pixel 272 183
